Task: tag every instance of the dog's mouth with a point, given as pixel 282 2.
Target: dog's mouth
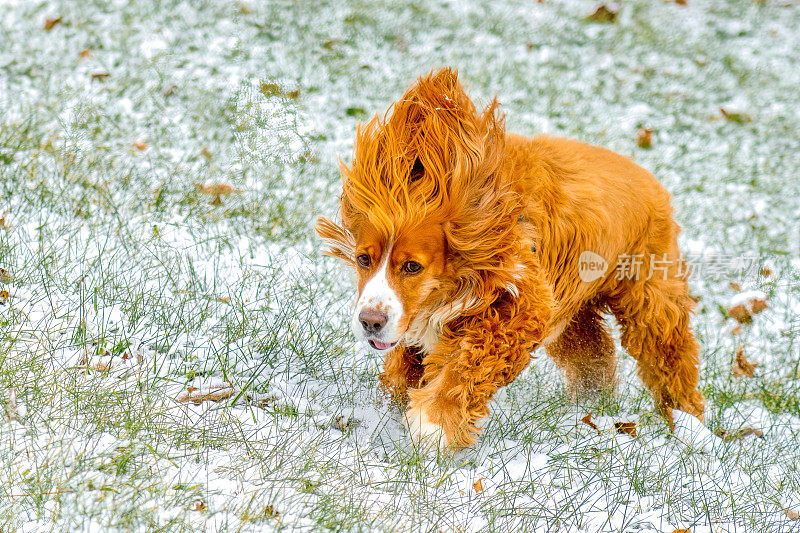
pixel 382 346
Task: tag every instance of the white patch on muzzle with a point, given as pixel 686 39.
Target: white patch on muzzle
pixel 378 295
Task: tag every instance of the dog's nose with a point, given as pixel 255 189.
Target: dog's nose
pixel 372 320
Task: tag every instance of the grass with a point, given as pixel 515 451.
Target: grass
pixel 116 253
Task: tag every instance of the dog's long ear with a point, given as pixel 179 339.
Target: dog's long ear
pixel 341 242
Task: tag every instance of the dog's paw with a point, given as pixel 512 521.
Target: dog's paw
pixel 424 433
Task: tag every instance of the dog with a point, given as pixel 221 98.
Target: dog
pixel 474 246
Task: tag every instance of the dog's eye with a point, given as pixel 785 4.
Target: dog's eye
pixel 411 267
pixel 363 260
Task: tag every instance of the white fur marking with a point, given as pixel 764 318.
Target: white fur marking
pixel 423 432
pixel 379 295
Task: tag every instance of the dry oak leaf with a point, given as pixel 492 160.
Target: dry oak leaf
pixel 738 435
pixel 746 304
pixel 588 421
pixel 791 515
pixel 735 116
pixel 478 485
pixel 735 286
pixel 198 396
pixel 602 14
pixel 628 428
pixel 743 367
pixel 644 138
pixel 50 23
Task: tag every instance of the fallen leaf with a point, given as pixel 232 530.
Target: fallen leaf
pixel 766 272
pixel 791 515
pixel 684 530
pixel 530 45
pixel 5 276
pixel 644 138
pixel 478 485
pixel 140 145
pixel 736 116
pixel 198 396
pixel 50 23
pixel 3 224
pixel 588 421
pixel 735 286
pixel 626 427
pixel 681 2
pixel 737 330
pixel 197 505
pixel 11 406
pixel 85 53
pixel 293 94
pixel 206 153
pixel 757 305
pixel 4 296
pixel 740 313
pixel 602 14
pixel 216 189
pixel 743 367
pixel 738 435
pixel 169 91
pixel 100 76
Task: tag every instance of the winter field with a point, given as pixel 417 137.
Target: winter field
pixel 161 167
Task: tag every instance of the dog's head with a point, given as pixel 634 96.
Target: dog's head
pixel 426 220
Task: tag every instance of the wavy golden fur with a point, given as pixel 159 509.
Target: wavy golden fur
pixel 515 214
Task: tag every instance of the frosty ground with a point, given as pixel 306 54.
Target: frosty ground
pixel 161 166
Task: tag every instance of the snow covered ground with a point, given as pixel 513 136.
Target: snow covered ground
pixel 173 347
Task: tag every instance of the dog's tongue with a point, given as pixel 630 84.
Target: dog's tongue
pixel 382 345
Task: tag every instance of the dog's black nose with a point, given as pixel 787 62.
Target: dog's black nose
pixel 372 320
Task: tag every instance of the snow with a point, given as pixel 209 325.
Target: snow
pixel 129 289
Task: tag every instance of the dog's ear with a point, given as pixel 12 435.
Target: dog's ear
pixel 341 242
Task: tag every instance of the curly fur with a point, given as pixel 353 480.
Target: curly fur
pixel 515 214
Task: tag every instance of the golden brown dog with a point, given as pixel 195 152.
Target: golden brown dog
pixel 474 246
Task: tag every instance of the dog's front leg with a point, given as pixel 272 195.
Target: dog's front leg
pixel 402 369
pixel 463 373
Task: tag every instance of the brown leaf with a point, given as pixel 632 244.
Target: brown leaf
pixel 4 296
pixel 198 396
pixel 3 224
pixel 5 276
pixel 588 421
pixel 743 367
pixel 791 515
pixel 757 305
pixel 293 94
pixel 626 427
pixel 140 145
pixel 681 2
pixel 766 272
pixel 50 23
pixel 100 76
pixel 216 189
pixel 478 485
pixel 735 286
pixel 602 14
pixel 738 435
pixel 644 138
pixel 206 153
pixel 85 53
pixel 197 505
pixel 683 530
pixel 11 406
pixel 736 116
pixel 740 313
pixel 737 330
